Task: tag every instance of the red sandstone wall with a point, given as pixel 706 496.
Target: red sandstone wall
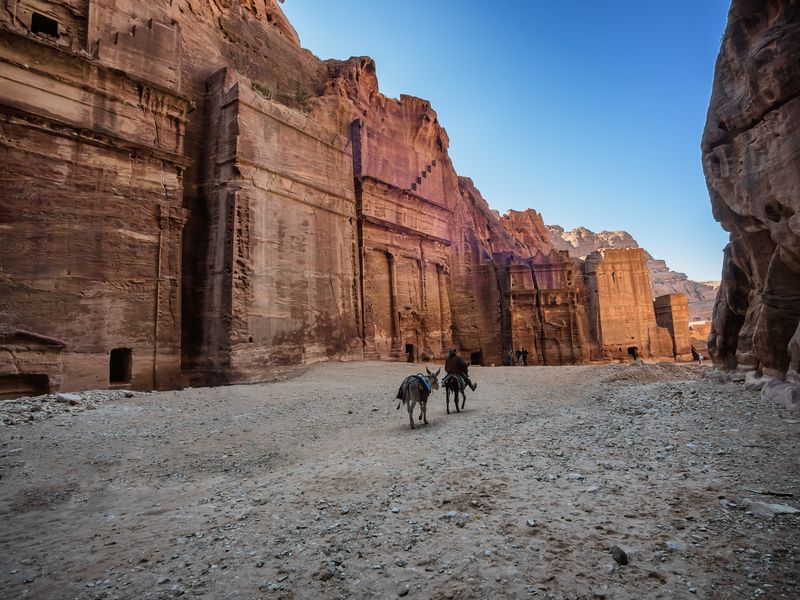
pixel 750 157
pixel 325 219
pixel 622 305
pixel 672 313
pixel 92 191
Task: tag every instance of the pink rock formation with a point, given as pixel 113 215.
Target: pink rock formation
pixel 623 318
pixel 189 196
pixel 581 242
pixel 750 154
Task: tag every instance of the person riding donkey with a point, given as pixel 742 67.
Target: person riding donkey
pixel 455 366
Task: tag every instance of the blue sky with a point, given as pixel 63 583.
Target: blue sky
pixel 589 111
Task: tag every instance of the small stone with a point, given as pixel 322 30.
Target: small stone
pixel 487 552
pixel 400 562
pixel 403 590
pixel 345 509
pixel 68 398
pixel 129 394
pixel 675 545
pixel 530 523
pixel 692 590
pixel 575 477
pixel 592 489
pixel 162 580
pixel 619 555
pixel 395 509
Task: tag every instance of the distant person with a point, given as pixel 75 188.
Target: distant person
pixel 700 358
pixel 519 356
pixel 509 359
pixel 524 357
pixel 455 365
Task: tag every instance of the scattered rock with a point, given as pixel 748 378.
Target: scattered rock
pixel 765 509
pixel 69 398
pixel 619 555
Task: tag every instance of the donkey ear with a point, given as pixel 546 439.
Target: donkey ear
pixel 439 370
pixel 428 370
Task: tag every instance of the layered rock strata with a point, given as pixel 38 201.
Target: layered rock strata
pixel 189 196
pixel 581 242
pixel 750 155
pixel 623 316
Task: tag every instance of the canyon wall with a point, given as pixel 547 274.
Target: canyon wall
pixel 623 318
pixel 192 198
pixel 581 242
pixel 751 153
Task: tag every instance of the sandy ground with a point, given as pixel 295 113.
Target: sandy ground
pixel 315 487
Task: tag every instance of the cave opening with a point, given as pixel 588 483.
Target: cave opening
pixel 410 353
pixel 633 352
pixel 25 384
pixel 45 25
pixel 119 365
pixel 476 358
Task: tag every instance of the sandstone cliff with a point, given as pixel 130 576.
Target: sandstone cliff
pixel 581 242
pixel 190 196
pixel 750 156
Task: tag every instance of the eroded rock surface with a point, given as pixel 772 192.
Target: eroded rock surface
pixel 750 156
pixel 190 197
pixel 581 242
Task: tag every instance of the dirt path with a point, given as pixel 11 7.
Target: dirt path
pixel 315 487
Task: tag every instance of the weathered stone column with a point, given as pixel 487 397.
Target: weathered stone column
pixel 440 283
pixel 393 300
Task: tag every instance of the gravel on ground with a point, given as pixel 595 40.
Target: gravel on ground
pixel 316 487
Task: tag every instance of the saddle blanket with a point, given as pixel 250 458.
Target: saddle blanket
pixel 413 378
pixel 461 382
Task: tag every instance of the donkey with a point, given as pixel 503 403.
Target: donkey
pixel 416 389
pixel 453 383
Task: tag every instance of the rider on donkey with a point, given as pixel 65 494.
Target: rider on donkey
pixel 456 365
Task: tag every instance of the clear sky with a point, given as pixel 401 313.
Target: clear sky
pixel 589 111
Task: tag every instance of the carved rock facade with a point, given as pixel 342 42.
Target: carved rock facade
pixel 751 152
pixel 581 242
pixel 189 196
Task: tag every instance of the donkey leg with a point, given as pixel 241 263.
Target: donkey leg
pixel 424 415
pixel 463 400
pixel 455 394
pixel 447 399
pixel 411 413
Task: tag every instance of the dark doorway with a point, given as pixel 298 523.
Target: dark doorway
pixel 410 355
pixel 45 25
pixel 476 358
pixel 633 353
pixel 16 386
pixel 119 366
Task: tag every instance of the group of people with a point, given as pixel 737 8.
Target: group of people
pixel 519 358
